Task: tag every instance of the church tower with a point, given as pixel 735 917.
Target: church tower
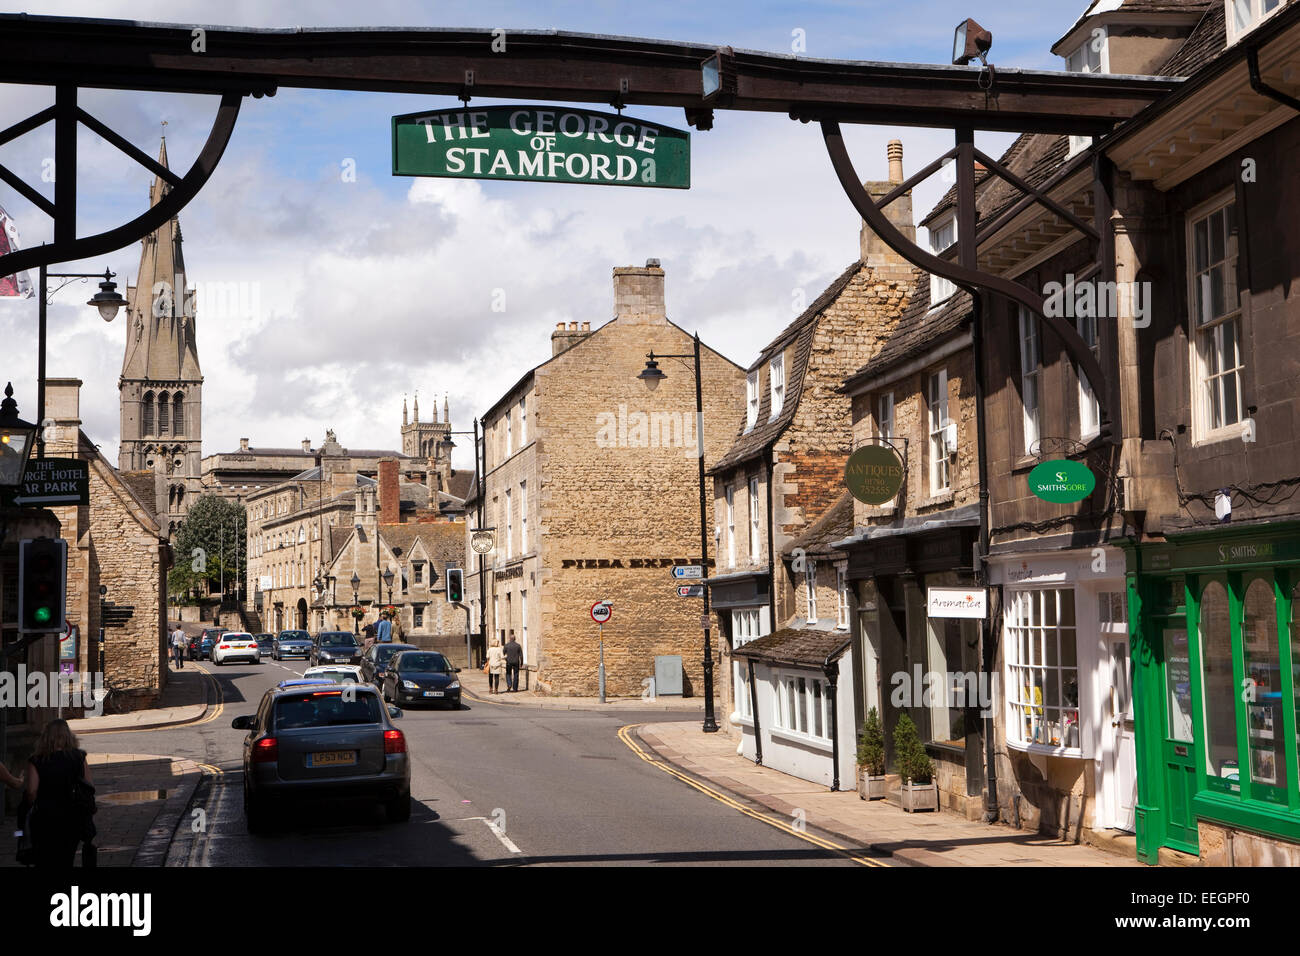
pixel 423 440
pixel 160 392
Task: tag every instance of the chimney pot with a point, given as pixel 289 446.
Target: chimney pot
pixel 652 263
pixel 895 151
pixel 586 327
pixel 306 444
pixel 559 326
pixel 243 444
pixel 573 326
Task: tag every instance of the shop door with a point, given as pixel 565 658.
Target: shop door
pixel 1123 768
pixel 1178 760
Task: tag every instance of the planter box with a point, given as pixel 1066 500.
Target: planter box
pixel 920 796
pixel 871 788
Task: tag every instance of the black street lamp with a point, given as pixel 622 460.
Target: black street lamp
pixel 107 300
pixel 447 445
pixel 388 580
pixel 356 588
pixel 652 375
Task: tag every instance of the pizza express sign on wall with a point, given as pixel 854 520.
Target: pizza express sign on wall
pixel 873 474
pixel 541 145
pixel 1062 481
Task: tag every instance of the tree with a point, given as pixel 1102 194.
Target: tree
pixel 211 544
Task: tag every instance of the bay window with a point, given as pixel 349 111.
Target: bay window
pixel 803 706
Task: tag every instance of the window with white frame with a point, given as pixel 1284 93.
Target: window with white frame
pixel 751 400
pixel 523 421
pixel 810 587
pixel 1042 679
pixel 746 625
pixel 885 415
pixel 1089 409
pixel 510 528
pixel 523 623
pixel 1031 369
pixel 940 435
pixel 942 235
pixel 803 706
pixel 842 595
pixel 1088 57
pixel 510 447
pixel 731 526
pixel 523 517
pixel 1244 15
pixel 1216 315
pixel 776 377
pixel 754 556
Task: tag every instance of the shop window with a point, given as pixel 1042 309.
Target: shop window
pixel 1295 654
pixel 1263 690
pixel 803 706
pixel 953 685
pixel 1042 680
pixel 1217 686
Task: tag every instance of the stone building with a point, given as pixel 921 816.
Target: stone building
pixel 160 391
pixel 592 486
pixel 783 473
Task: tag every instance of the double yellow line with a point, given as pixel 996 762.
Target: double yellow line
pixel 625 735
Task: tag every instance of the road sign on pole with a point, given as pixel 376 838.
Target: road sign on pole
pixel 602 611
pixel 690 590
pixel 688 571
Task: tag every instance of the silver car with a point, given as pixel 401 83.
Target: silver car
pixel 317 741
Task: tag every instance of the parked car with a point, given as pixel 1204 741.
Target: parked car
pixel 292 644
pixel 338 673
pixel 311 742
pixel 374 663
pixel 424 676
pixel 236 646
pixel 265 643
pixel 335 647
pixel 201 648
pixel 299 681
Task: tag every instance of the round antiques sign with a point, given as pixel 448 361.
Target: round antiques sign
pixel 873 474
pixel 1062 482
pixel 481 542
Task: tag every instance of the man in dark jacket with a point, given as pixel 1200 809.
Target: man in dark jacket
pixel 514 657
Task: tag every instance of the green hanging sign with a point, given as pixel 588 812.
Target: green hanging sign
pixel 541 144
pixel 873 474
pixel 1062 481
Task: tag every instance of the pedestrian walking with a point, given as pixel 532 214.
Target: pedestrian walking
pixel 384 629
pixel 178 647
pixel 61 799
pixel 397 632
pixel 514 658
pixel 369 632
pixel 496 663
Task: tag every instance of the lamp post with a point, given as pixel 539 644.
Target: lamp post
pixel 107 300
pixel 16 440
pixel 388 580
pixel 652 375
pixel 447 445
pixel 356 588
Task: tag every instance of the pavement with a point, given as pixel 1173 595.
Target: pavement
pixel 474 685
pixel 920 839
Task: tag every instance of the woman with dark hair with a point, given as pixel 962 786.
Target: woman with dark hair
pixel 60 816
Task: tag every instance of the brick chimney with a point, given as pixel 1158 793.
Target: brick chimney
pixel 873 250
pixel 639 294
pixel 306 444
pixel 563 338
pixel 390 501
pixel 63 408
pixel 243 444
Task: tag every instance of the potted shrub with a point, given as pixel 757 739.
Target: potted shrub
pixel 871 758
pixel 919 792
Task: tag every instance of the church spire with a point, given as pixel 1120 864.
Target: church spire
pixel 446 415
pixel 417 408
pixel 404 413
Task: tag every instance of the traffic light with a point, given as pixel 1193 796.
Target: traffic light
pixel 42 569
pixel 455 585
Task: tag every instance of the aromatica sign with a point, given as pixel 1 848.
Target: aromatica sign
pixel 1062 481
pixel 541 145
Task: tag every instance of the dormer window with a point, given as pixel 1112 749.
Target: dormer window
pixel 776 375
pixel 751 400
pixel 1244 15
pixel 942 235
pixel 1089 57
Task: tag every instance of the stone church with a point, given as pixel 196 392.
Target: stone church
pixel 161 386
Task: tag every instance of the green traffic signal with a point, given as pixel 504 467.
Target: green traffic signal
pixel 42 615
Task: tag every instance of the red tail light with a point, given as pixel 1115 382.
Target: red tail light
pixel 394 742
pixel 266 750
pixel 223 647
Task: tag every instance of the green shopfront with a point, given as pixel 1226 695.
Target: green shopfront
pixel 1216 672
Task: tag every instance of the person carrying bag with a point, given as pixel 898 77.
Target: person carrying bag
pixel 60 801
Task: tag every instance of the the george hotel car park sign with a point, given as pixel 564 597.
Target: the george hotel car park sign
pixel 538 144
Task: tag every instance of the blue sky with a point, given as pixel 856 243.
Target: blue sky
pixel 371 289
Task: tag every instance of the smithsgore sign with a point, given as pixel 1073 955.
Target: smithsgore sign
pixel 541 145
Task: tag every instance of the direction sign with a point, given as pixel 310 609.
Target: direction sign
pixel 601 612
pixel 690 590
pixel 52 481
pixel 688 571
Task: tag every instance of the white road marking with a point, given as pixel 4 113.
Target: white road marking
pixel 498 833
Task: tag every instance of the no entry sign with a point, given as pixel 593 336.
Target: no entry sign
pixel 601 612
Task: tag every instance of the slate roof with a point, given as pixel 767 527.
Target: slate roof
pixel 798 333
pixel 803 646
pixel 1207 41
pixel 444 542
pixel 460 484
pixel 142 485
pixel 916 331
pixel 835 524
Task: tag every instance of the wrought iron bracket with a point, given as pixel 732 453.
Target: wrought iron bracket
pixel 972 280
pixel 66 247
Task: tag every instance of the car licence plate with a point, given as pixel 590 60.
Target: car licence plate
pixel 332 758
pixel 433 693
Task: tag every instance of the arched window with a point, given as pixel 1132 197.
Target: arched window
pixel 302 535
pixel 146 415
pixel 178 414
pixel 164 405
